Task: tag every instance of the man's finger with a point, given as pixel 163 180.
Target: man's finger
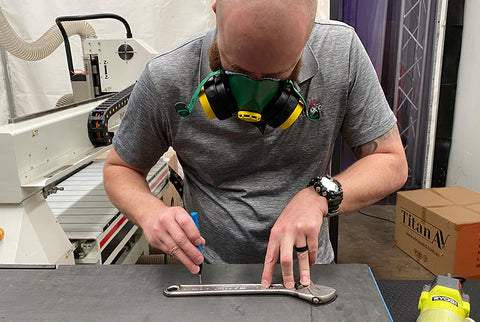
pixel 312 249
pixel 174 250
pixel 271 259
pixel 302 250
pixel 188 226
pixel 183 242
pixel 286 262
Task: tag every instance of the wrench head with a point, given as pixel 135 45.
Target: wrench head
pixel 316 294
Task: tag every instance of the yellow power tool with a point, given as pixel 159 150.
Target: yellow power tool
pixel 444 301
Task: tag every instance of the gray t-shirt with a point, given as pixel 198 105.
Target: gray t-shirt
pixel 237 178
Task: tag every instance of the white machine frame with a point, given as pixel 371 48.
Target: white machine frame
pixel 116 67
pixel 43 151
pixel 38 153
pixel 110 67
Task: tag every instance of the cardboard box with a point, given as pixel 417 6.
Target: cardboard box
pixel 171 197
pixel 440 229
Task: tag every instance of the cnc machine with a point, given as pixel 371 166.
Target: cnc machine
pixel 53 207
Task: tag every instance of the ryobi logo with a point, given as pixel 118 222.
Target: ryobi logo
pixel 431 233
pixel 445 299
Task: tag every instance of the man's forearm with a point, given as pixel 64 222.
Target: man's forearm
pixel 370 179
pixel 129 192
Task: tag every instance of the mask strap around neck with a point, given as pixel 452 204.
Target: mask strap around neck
pixel 182 108
pixel 313 113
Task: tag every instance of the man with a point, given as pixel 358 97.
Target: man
pixel 251 182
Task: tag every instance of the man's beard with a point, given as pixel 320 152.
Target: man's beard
pixel 215 63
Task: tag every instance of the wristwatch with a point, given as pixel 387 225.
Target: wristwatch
pixel 329 188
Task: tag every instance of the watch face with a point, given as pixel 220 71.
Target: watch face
pixel 329 184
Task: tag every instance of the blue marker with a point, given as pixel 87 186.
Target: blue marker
pixel 195 220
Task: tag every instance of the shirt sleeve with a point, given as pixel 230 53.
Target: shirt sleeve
pixel 368 114
pixel 142 136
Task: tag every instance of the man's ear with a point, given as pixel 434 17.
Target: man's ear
pixel 214 6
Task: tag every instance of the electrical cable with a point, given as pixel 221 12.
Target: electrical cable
pixel 365 214
pixel 68 50
pixel 461 279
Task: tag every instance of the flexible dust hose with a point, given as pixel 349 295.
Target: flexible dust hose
pixel 66 99
pixel 43 46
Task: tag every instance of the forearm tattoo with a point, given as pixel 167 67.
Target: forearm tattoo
pixel 370 147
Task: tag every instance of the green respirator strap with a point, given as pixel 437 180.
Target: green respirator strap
pixel 313 112
pixel 182 108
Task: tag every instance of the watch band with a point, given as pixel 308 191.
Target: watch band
pixel 334 197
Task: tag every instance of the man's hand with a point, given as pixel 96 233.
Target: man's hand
pixel 298 225
pixel 172 230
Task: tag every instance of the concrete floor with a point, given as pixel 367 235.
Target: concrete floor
pixel 368 240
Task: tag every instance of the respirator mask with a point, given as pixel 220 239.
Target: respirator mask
pixel 224 93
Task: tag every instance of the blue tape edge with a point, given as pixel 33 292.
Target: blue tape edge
pixel 381 296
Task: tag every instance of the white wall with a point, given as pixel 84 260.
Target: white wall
pixel 464 162
pixel 37 86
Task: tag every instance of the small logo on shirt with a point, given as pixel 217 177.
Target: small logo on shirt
pixel 314 110
pixel 315 103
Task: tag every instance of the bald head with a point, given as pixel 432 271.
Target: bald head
pixel 310 6
pixel 263 38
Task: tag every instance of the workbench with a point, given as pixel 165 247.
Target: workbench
pixel 135 293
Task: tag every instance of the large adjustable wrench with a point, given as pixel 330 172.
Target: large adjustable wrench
pixel 315 294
